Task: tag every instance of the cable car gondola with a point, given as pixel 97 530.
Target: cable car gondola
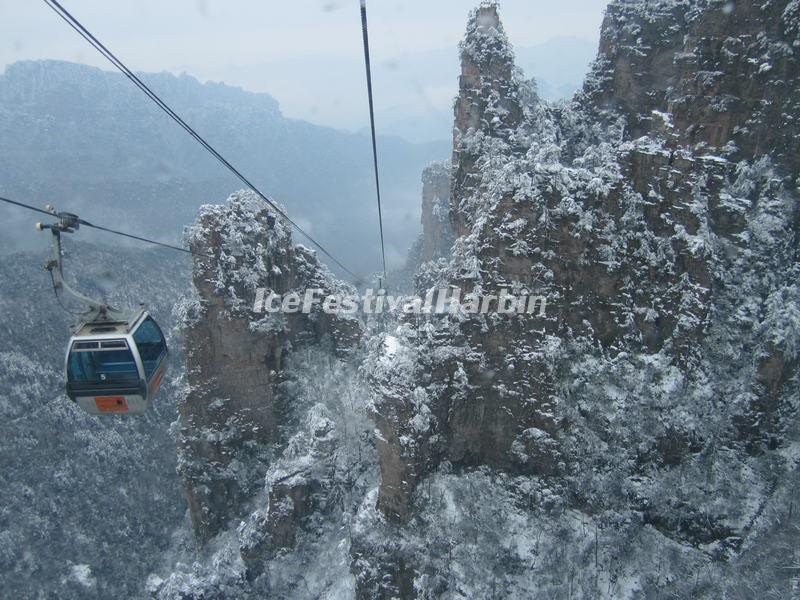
pixel 116 366
pixel 115 361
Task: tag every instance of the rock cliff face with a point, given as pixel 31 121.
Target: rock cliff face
pixel 724 72
pixel 437 236
pixel 233 416
pixel 657 214
pixel 275 449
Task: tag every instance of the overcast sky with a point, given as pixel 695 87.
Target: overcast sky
pixel 306 53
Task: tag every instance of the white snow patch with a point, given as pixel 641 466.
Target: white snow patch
pixel 82 574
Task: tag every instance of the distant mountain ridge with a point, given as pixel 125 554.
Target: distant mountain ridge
pixel 89 141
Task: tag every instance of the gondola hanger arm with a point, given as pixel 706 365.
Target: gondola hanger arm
pixel 68 223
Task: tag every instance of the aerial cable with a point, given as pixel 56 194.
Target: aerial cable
pixel 28 206
pixel 372 127
pixel 97 45
pixel 141 239
pixel 106 229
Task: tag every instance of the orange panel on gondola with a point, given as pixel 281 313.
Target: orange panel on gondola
pixel 157 381
pixel 111 403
